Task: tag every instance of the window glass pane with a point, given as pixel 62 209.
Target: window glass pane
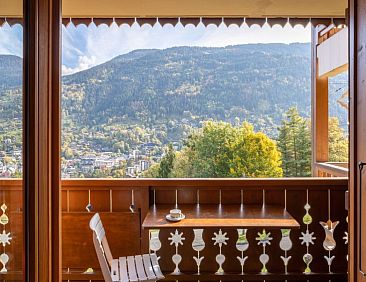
pixel 11 168
pixel 168 101
pixel 338 119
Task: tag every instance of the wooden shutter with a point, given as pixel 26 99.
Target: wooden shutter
pixel 357 215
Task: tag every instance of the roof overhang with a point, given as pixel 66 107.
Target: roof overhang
pixel 190 8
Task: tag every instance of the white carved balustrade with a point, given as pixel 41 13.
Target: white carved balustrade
pixel 257 250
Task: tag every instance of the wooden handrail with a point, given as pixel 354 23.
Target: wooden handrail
pixel 223 183
pixel 332 169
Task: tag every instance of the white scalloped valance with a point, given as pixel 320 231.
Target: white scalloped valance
pixel 193 21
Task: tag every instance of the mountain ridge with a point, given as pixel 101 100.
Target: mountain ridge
pixel 160 95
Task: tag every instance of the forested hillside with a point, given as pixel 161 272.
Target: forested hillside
pixel 156 97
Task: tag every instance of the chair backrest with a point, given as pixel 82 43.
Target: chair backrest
pixel 101 246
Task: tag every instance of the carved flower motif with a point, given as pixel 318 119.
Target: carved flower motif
pixel 176 238
pixel 307 238
pixel 5 238
pixel 220 238
pixel 264 238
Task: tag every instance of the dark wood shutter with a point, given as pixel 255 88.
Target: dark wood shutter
pixel 357 215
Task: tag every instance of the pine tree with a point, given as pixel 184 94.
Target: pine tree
pixel 294 143
pixel 167 163
pixel 338 142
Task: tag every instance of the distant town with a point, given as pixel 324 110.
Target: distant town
pixel 10 160
pixel 131 165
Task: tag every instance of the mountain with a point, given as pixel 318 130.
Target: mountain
pixel 158 96
pixel 218 83
pixel 10 72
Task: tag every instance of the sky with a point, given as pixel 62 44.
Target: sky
pixel 84 47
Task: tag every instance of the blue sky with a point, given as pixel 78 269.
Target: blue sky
pixel 86 47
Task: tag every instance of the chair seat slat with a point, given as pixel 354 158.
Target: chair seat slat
pixel 123 270
pixel 148 267
pixel 155 264
pixel 131 268
pixel 140 268
pixel 115 270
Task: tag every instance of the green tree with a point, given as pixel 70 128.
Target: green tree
pixel 338 142
pixel 182 165
pixel 222 150
pixel 167 163
pixel 210 150
pixel 294 142
pixel 152 172
pixel 255 154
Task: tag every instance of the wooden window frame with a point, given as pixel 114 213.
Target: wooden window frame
pixel 41 140
pixel 41 182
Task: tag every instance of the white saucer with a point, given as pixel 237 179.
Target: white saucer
pixel 175 219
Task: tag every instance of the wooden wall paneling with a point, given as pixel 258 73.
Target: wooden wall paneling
pixel 142 200
pixel 209 196
pixel 100 200
pixel 13 200
pixel 142 203
pixel 253 197
pixel 78 200
pixel 64 201
pixel 78 250
pixel 231 196
pixel 121 200
pixel 275 197
pixel 187 196
pixel 165 196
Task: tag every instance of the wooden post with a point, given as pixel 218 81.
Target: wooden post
pixel 41 105
pixel 319 110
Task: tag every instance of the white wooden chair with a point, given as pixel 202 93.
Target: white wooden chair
pixel 125 269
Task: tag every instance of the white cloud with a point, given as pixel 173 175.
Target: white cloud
pixel 84 62
pixel 11 42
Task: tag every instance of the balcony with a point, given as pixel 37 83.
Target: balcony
pixel 321 198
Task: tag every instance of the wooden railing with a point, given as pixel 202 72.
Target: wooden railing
pixel 331 169
pixel 113 198
pixel 328 32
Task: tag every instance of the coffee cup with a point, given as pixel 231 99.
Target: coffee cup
pixel 175 213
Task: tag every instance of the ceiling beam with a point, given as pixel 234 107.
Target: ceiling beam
pixel 190 8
